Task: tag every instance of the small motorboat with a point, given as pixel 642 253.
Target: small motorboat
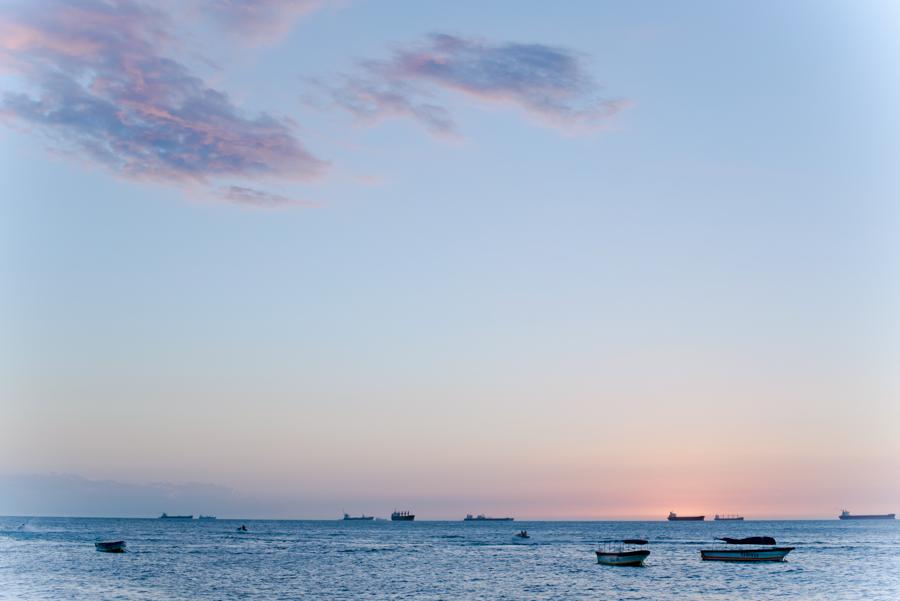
pixel 622 552
pixel 751 553
pixel 522 534
pixel 110 546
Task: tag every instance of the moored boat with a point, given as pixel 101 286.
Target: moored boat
pixel 767 554
pixel 674 517
pixel 483 518
pixel 110 546
pixel 402 516
pixel 348 518
pixel 622 552
pixel 744 553
pixel 846 515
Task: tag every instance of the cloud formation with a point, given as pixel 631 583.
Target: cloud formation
pixel 260 198
pixel 258 20
pixel 96 80
pixel 548 82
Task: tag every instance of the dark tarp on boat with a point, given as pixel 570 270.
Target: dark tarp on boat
pixel 750 540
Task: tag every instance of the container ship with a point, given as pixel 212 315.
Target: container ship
pixel 673 517
pixel 846 515
pixel 483 518
pixel 402 516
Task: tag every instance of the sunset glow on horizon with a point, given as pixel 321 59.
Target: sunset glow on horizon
pixel 601 262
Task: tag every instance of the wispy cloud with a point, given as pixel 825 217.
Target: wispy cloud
pixel 260 198
pixel 96 80
pixel 549 82
pixel 258 20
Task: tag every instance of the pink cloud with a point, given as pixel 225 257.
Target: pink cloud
pixel 549 82
pixel 99 84
pixel 258 20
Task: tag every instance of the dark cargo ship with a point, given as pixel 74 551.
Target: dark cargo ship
pixel 166 516
pixel 483 518
pixel 673 517
pixel 846 515
pixel 402 516
pixel 363 517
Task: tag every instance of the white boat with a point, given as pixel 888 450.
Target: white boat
pixel 747 549
pixel 624 552
pixel 767 554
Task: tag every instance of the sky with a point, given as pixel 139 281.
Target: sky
pixel 591 261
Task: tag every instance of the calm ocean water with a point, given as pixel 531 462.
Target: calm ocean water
pixel 54 558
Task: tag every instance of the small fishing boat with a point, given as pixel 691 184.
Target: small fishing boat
pixel 744 553
pixel 622 552
pixel 110 546
pixel 674 517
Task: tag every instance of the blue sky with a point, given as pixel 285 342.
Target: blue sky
pixel 684 228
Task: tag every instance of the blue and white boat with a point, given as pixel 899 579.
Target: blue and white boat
pixel 622 552
pixel 747 550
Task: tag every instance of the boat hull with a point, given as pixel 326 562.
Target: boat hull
pixel 746 555
pixel 402 518
pixel 718 519
pixel 488 519
pixel 364 518
pixel 885 516
pixel 622 558
pixel 687 518
pixel 113 546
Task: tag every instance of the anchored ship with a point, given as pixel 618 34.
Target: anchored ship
pixel 166 516
pixel 846 515
pixel 673 517
pixel 348 517
pixel 728 518
pixel 206 518
pixel 402 516
pixel 483 518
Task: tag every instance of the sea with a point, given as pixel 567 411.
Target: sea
pixel 54 558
